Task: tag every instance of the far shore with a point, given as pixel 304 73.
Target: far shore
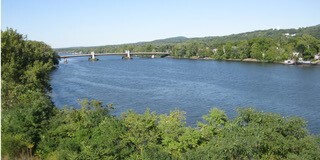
pixel 239 60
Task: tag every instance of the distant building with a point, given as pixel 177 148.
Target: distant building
pixel 288 34
pixel 214 50
pixel 317 56
pixel 296 54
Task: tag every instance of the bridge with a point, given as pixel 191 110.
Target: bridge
pixel 126 55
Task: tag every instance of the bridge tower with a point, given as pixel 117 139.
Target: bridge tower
pixel 92 56
pixel 128 53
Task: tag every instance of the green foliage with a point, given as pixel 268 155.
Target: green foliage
pixel 24 122
pixel 26 109
pixel 33 126
pixel 12 145
pixel 215 121
pixel 258 135
pixel 88 133
pixel 172 128
pixel 308 46
pixel 26 65
pixel 141 131
pixel 266 45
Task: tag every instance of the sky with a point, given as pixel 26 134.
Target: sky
pixel 73 23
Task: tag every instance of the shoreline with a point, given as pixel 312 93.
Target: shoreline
pixel 249 60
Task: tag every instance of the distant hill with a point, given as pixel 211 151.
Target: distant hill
pixel 313 30
pixel 272 33
pixel 171 40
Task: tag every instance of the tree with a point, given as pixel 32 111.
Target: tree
pixel 191 49
pixel 171 128
pixel 25 64
pixel 214 123
pixel 141 132
pixel 244 49
pixel 256 135
pixel 26 108
pixel 308 46
pixel 24 123
pixel 88 133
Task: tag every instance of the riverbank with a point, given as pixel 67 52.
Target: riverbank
pixel 250 60
pixel 210 58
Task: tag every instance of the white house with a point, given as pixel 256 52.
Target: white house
pixel 214 50
pixel 317 56
pixel 287 34
pixel 295 54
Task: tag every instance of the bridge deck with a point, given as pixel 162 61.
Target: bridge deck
pixel 112 54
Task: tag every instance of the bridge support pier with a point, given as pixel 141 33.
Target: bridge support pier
pixel 152 56
pixel 128 55
pixel 93 58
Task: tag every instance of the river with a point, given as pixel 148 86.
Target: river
pixel 194 86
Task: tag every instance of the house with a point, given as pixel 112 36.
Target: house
pixel 317 56
pixel 287 34
pixel 214 50
pixel 296 54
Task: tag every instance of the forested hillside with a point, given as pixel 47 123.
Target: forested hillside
pixel 33 128
pixel 264 45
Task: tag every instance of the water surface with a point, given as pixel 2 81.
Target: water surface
pixel 193 86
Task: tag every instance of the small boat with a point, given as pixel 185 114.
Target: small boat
pixel 289 62
pixel 306 62
pixel 301 61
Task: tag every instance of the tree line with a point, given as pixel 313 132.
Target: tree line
pixel 33 128
pixel 266 45
pixel 262 48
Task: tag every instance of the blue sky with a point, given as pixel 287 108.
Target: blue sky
pixel 69 23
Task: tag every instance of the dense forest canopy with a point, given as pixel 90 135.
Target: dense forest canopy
pixel 26 107
pixel 33 128
pixel 265 45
